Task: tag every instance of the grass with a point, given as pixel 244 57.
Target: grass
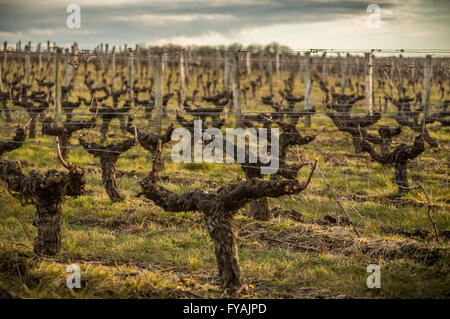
pixel 134 249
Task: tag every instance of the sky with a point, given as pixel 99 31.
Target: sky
pixel 402 24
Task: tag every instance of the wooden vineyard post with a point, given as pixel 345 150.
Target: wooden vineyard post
pixel 357 73
pixel 269 72
pixel 226 72
pixel 398 72
pixel 373 69
pixel 324 67
pixel 345 73
pixel 102 59
pixel 113 67
pixel 27 66
pixel 261 61
pixel 130 69
pixel 74 53
pixel 145 65
pixel 337 67
pixel 369 82
pixel 187 54
pixel 308 88
pixel 400 68
pixel 165 60
pixel 392 77
pixel 159 70
pixel 57 102
pixel 413 74
pixel 217 63
pixel 427 75
pixel 5 56
pixel 236 88
pixel 66 71
pixel 1 77
pixel 277 67
pixel 136 61
pixel 105 60
pixel 301 65
pixel 248 65
pixel 49 54
pixel 148 68
pixel 39 59
pixel 96 63
pixel 182 78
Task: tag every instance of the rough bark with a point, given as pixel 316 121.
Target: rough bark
pixel 108 113
pixel 386 133
pixel 48 241
pixel 4 109
pixel 289 137
pixel 109 155
pixel 218 209
pixel 341 105
pixel 106 121
pixel 221 229
pixel 150 141
pixel 6 293
pixel 441 117
pixel 259 209
pixel 397 158
pixel 33 111
pixel 46 192
pixel 68 108
pixel 220 101
pixel 407 117
pixel 16 142
pixel 32 132
pixel 65 131
pixel 401 175
pixel 356 127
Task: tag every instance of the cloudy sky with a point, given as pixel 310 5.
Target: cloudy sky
pixel 407 24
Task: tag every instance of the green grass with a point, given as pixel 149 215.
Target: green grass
pixel 134 249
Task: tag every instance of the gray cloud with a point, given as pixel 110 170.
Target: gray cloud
pixel 153 20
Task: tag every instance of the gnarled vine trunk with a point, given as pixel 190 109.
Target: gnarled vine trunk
pixel 397 158
pixel 5 110
pixel 218 209
pixel 46 192
pixel 222 232
pixel 16 142
pixel 109 155
pixel 32 129
pixel 401 176
pixel 48 241
pixel 108 165
pixel 259 209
